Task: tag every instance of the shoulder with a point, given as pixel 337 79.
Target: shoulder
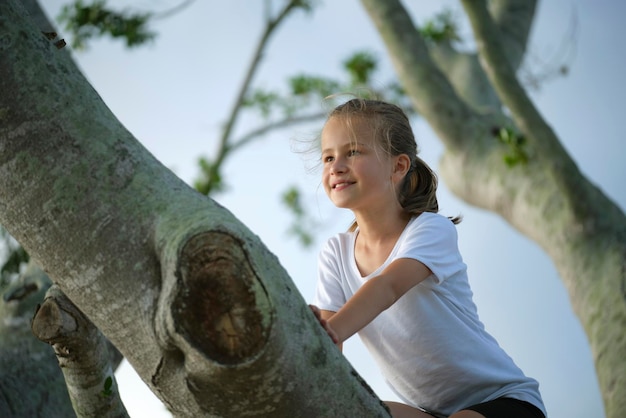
pixel 337 245
pixel 429 221
pixel 432 240
pixel 429 232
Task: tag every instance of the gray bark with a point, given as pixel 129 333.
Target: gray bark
pixel 85 356
pixel 546 197
pixel 191 298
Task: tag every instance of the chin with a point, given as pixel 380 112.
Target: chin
pixel 342 205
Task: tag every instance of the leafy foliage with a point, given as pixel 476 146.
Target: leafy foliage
pixel 87 21
pixel 302 85
pixel 264 101
pixel 302 225
pixel 441 28
pixel 360 66
pixel 516 143
pixel 212 181
pixel 302 90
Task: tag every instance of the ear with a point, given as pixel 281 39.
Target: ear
pixel 401 165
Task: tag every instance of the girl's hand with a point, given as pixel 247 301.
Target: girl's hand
pixel 324 324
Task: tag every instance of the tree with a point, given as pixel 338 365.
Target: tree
pixel 501 155
pixel 509 142
pixel 186 293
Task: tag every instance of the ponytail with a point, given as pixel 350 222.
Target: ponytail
pixel 418 191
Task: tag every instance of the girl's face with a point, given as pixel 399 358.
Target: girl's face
pixel 357 174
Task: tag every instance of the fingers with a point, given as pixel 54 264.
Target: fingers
pixel 316 311
pixel 318 314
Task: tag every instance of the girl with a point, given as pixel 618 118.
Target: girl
pixel 397 278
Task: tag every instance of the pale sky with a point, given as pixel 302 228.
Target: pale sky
pixel 174 95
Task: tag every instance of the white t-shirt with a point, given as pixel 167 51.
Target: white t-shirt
pixel 430 345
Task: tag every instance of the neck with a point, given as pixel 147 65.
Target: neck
pixel 377 227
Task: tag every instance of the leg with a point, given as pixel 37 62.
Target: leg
pixel 400 410
pixel 467 414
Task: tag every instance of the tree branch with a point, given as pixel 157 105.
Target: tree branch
pixel 111 225
pixel 540 135
pixel 84 355
pixel 514 19
pixel 283 123
pixel 431 92
pixel 172 11
pixel 270 27
pixel 234 329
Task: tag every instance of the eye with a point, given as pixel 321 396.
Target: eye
pixel 327 158
pixel 353 152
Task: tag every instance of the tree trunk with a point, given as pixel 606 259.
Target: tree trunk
pixel 192 299
pixel 543 194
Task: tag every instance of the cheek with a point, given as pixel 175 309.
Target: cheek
pixel 325 172
pixel 325 178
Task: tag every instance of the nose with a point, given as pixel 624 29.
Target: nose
pixel 338 166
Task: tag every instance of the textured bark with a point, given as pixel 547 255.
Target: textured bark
pixel 191 298
pixel 85 356
pixel 546 197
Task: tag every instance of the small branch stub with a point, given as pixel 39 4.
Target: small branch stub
pixel 87 359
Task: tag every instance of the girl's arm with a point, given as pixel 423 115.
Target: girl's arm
pixel 376 295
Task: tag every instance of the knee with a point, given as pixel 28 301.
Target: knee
pixel 400 410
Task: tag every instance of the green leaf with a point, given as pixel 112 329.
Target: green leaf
pixel 302 85
pixel 360 67
pixel 291 199
pixel 442 27
pixel 516 145
pixel 264 101
pixel 302 224
pixel 210 180
pixel 108 387
pixel 89 21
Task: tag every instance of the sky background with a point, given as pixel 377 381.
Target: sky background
pixel 174 94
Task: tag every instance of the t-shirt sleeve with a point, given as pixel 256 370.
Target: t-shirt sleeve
pixel 433 242
pixel 329 294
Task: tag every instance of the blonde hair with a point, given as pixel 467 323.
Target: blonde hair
pixel 391 126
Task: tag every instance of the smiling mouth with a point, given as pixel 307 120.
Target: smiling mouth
pixel 342 185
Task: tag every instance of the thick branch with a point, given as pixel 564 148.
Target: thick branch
pixel 545 197
pixel 542 139
pixel 514 20
pixel 84 355
pixel 235 331
pixel 432 94
pixel 112 226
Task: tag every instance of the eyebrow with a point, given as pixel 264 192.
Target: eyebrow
pixel 348 145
